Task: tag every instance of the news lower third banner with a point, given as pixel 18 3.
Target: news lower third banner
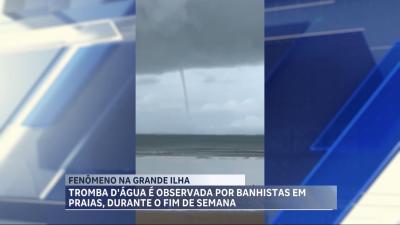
pixel 190 192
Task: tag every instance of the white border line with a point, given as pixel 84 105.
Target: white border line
pixel 299 6
pixel 200 210
pixel 381 47
pixel 32 201
pixel 78 34
pixel 313 34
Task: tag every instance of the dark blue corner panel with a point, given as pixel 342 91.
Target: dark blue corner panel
pixel 47 212
pixel 303 94
pixel 357 100
pixel 362 150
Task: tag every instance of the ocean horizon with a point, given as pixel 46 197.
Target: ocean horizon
pixel 201 154
pixel 200 145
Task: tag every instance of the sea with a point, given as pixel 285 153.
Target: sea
pixel 201 154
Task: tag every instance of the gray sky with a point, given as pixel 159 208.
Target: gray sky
pixel 219 44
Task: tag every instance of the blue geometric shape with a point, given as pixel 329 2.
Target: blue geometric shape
pixel 358 155
pixel 276 51
pixel 307 89
pixel 357 100
pixel 74 76
pixel 67 11
pixel 102 121
pixel 102 11
pixel 82 112
pixel 36 79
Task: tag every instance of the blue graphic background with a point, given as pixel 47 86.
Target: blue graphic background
pixel 331 116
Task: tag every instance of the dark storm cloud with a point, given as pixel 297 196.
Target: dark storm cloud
pixel 175 34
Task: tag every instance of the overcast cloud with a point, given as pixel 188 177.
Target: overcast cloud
pixel 172 34
pixel 219 46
